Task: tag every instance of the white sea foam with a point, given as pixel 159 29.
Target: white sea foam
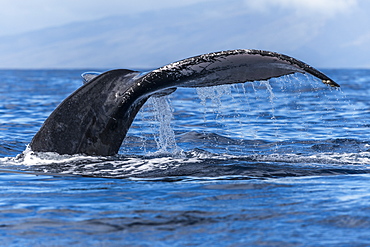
pixel 122 166
pixel 362 158
pixel 31 158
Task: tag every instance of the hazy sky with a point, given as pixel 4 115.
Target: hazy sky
pixel 326 33
pixel 17 16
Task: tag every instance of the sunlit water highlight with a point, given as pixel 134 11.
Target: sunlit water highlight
pixel 278 163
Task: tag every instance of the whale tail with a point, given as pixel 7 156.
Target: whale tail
pixel 91 120
pixel 95 118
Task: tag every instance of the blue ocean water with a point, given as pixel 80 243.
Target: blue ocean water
pixel 277 163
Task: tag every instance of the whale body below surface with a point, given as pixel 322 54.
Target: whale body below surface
pixel 94 119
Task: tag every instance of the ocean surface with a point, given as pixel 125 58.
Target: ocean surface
pixel 284 162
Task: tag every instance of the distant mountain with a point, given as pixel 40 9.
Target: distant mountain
pixel 149 40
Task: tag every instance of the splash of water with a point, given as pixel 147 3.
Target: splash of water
pixel 211 98
pixel 165 138
pixel 214 94
pixel 271 97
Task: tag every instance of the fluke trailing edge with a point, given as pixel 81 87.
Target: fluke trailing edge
pixel 95 118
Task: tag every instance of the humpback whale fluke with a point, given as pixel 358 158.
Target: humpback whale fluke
pixel 95 118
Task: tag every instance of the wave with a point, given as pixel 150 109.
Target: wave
pixel 266 160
